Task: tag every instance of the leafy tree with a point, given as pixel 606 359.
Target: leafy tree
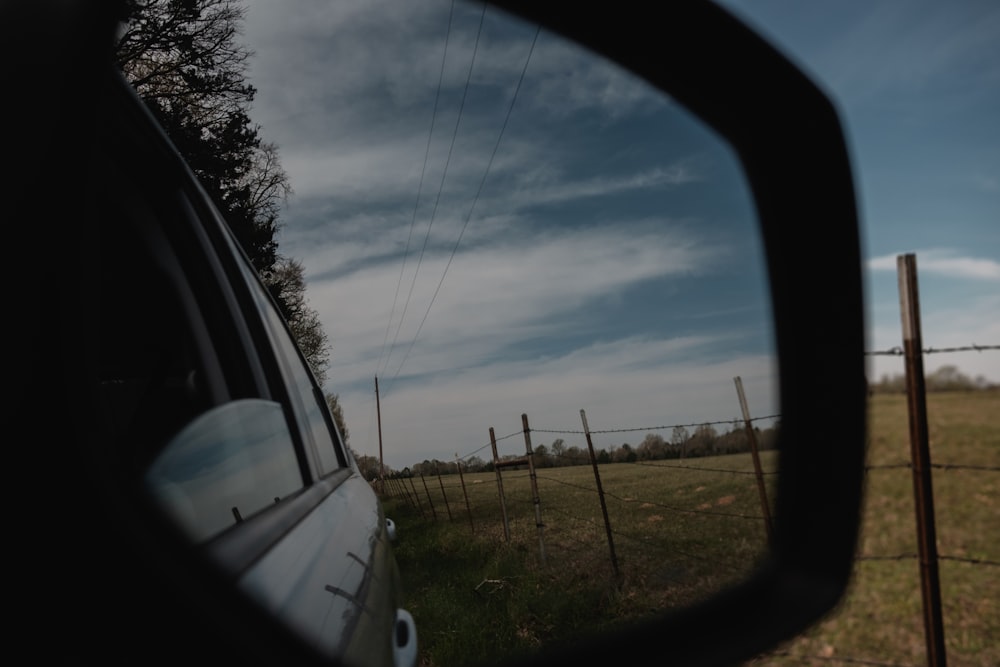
pixel 184 60
pixel 703 440
pixel 368 465
pixel 558 449
pixel 333 400
pixel 651 448
pixel 624 454
pixel 286 282
pixel 679 438
pixel 574 456
pixel 542 457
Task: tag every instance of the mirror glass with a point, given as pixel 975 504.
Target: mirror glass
pixel 495 223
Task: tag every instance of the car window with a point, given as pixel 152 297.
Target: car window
pixel 226 465
pixel 311 410
pixel 154 360
pixel 181 386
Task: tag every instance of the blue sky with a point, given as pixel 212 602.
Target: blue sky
pixel 573 240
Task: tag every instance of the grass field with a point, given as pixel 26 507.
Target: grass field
pixel 682 530
pixel 881 617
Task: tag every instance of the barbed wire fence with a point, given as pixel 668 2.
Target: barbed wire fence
pixel 572 527
pixel 568 533
pixel 565 532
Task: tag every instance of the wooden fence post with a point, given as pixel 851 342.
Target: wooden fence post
pixel 923 494
pixel 534 487
pixel 461 477
pixel 759 473
pixel 600 493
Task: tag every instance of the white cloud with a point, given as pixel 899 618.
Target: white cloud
pixel 944 262
pixel 493 294
pixel 627 384
pixel 346 91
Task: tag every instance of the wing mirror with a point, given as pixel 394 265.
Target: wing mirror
pixel 788 139
pixel 786 136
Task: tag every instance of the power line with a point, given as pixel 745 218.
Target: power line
pixel 475 199
pixel 437 199
pixel 416 204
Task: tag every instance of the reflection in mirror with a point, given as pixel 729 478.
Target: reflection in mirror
pixel 493 223
pixel 225 466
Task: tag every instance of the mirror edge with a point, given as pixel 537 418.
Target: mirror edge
pixel 790 142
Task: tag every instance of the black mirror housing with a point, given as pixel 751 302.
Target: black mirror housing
pixel 789 140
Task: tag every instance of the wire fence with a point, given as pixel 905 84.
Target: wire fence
pixel 685 518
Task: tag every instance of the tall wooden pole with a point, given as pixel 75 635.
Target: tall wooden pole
pixel 381 461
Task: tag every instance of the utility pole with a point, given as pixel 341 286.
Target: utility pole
pixel 381 461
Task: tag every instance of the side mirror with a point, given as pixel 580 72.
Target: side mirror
pixel 788 138
pixel 86 536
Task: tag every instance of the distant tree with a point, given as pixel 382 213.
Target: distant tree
pixel 603 456
pixel 678 438
pixel 651 448
pixel 624 454
pixel 949 378
pixel 367 465
pixel 734 440
pixel 574 456
pixel 945 378
pixel 703 441
pixel 286 282
pixel 542 459
pixel 333 401
pixel 558 450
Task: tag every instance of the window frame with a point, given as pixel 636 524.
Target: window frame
pixel 216 273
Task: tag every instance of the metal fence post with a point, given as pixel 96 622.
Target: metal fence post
pixel 503 499
pixel 761 489
pixel 534 487
pixel 600 493
pixel 434 514
pixel 930 587
pixel 444 495
pixel 468 507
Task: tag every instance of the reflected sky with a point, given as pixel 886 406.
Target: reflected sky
pixel 238 455
pixel 495 222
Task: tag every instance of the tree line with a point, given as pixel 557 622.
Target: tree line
pixel 705 440
pixel 185 61
pixel 945 378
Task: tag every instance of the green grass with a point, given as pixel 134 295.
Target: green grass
pixel 479 599
pixel 679 534
pixel 881 618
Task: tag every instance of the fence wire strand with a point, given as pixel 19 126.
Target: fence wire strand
pixel 665 427
pixel 571 532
